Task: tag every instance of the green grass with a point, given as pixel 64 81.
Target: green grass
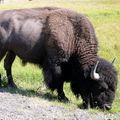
pixel 104 15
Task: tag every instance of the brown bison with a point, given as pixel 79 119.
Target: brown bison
pixel 51 37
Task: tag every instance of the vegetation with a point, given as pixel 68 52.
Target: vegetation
pixel 104 15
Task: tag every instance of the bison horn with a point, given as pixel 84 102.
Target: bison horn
pixel 113 60
pixel 94 75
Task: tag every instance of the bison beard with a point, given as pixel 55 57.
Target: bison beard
pixel 51 37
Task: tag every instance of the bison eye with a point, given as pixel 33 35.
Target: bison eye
pixel 95 103
pixel 103 86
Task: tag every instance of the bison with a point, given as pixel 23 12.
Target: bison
pixel 52 38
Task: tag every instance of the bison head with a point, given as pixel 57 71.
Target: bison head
pixel 98 89
pixel 104 84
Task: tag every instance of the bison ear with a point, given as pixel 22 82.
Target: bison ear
pixel 94 75
pixel 103 86
pixel 86 73
pixel 113 60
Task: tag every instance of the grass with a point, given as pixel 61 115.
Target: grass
pixel 104 15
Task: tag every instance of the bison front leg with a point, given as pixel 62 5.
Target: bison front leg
pixel 57 74
pixel 86 102
pixel 58 81
pixel 9 59
pixel 53 80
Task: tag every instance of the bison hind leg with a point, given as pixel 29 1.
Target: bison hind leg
pixel 9 59
pixel 2 54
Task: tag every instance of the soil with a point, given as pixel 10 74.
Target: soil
pixel 18 107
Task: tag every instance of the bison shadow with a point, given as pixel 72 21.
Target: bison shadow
pixel 29 93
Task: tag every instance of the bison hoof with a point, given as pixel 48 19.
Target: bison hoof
pixel 63 99
pixel 13 85
pixel 83 106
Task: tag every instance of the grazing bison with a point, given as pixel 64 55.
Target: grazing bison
pixel 51 37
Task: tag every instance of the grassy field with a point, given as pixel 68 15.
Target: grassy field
pixel 105 16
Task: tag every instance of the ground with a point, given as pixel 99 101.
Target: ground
pixel 19 107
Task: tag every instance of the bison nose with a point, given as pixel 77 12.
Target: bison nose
pixel 107 106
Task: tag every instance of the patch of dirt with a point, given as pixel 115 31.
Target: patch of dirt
pixel 19 107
